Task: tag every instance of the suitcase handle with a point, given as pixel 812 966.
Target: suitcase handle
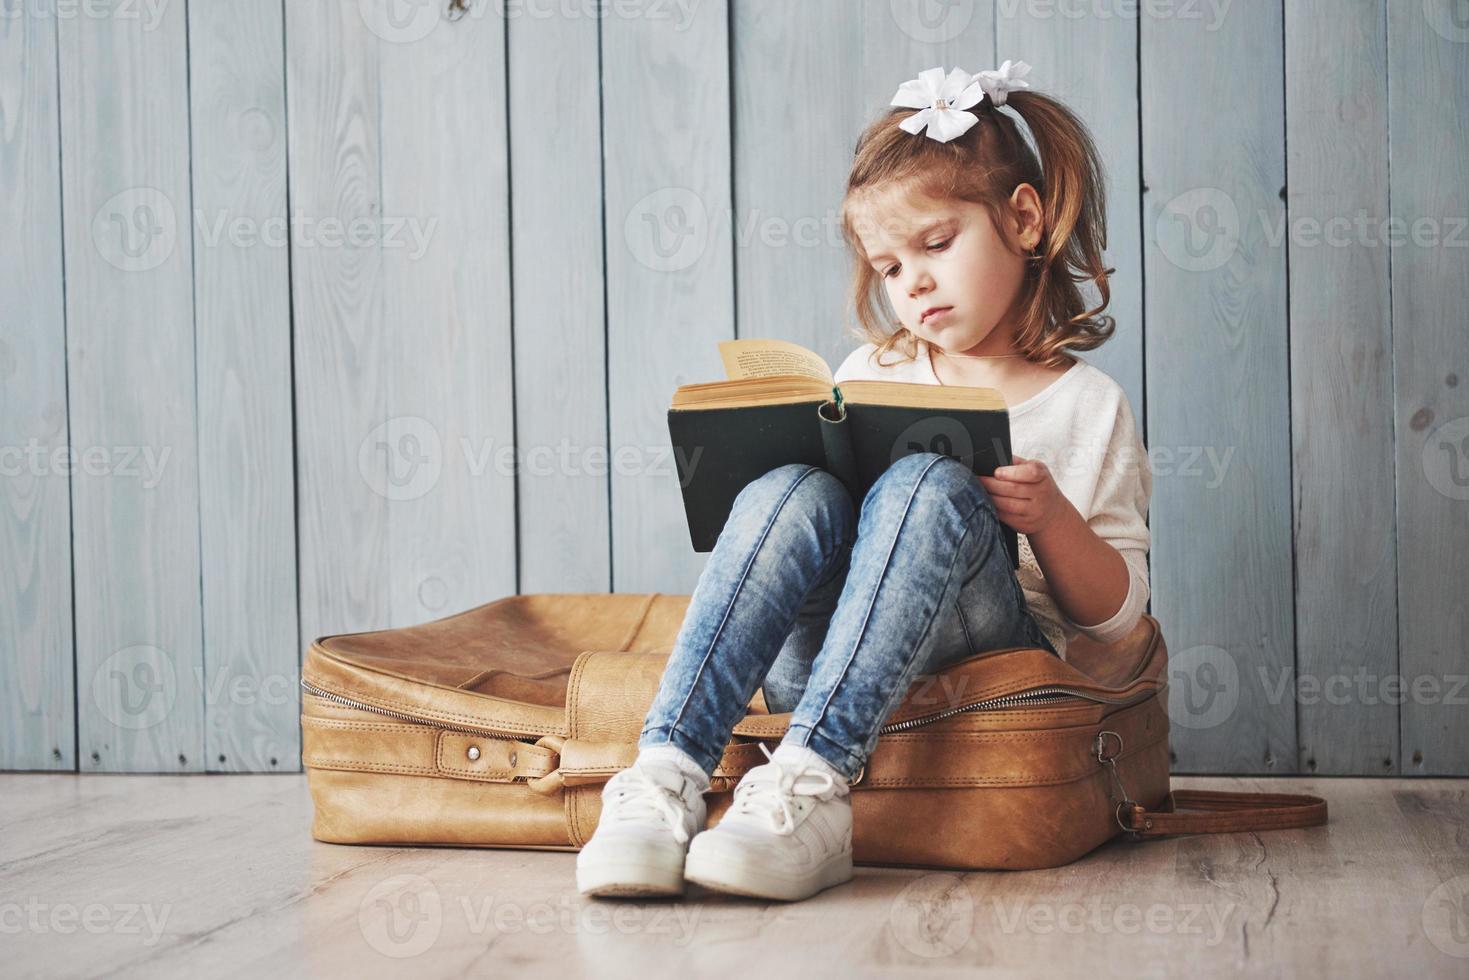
pixel 1216 812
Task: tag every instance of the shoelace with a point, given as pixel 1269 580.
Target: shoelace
pixel 643 795
pixel 772 794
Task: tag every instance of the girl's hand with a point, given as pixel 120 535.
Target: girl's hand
pixel 1025 494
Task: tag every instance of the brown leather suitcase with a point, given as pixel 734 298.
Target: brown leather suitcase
pixel 497 727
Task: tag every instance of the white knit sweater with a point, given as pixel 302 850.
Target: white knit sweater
pixel 1083 429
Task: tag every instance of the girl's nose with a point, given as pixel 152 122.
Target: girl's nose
pixel 922 282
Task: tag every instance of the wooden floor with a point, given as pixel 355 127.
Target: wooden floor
pixel 217 876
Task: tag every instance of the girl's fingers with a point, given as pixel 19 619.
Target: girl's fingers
pixel 1022 471
pixel 1007 488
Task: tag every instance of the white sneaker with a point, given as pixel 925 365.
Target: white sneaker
pixel 787 835
pixel 650 811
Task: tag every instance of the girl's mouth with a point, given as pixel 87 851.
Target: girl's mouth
pixel 936 314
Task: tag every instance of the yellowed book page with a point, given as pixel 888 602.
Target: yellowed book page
pixel 756 358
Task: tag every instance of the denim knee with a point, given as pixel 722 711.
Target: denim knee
pixel 805 493
pixel 932 479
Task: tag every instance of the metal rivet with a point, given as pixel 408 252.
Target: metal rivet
pixel 512 760
pixel 473 752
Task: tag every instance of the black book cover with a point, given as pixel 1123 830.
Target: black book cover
pixel 717 451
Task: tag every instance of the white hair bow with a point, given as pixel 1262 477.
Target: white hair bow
pixel 943 101
pixel 998 84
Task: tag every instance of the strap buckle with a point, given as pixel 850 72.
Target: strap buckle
pixel 1110 761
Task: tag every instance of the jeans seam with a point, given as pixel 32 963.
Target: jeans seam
pixel 867 615
pixel 734 597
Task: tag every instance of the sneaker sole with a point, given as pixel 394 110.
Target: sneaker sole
pixel 628 879
pixel 723 874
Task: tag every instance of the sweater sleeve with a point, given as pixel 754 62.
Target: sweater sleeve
pixel 1119 517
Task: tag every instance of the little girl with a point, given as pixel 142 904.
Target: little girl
pixel 833 606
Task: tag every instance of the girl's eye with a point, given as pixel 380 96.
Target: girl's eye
pixel 935 247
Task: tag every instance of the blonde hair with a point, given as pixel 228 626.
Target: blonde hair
pixel 984 166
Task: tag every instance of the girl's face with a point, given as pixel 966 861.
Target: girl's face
pixel 952 276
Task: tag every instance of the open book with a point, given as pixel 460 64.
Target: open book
pixel 781 405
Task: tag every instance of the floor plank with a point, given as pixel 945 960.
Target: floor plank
pixel 161 876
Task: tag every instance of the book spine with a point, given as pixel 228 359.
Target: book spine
pixel 836 441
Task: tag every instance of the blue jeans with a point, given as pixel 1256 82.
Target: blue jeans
pixel 837 615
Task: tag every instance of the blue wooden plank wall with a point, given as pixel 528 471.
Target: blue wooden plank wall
pixel 343 315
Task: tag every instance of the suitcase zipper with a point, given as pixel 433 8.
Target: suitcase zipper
pixel 1042 695
pixel 400 716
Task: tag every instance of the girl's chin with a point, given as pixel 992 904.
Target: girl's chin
pixel 949 337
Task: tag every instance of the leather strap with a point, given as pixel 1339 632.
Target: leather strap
pixel 1218 812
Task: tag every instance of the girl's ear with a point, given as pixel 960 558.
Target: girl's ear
pixel 1028 222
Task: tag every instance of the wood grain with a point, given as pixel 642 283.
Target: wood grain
pixel 36 672
pixel 1428 65
pixel 1341 385
pixel 130 367
pixel 1218 383
pixel 242 296
pixel 1354 898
